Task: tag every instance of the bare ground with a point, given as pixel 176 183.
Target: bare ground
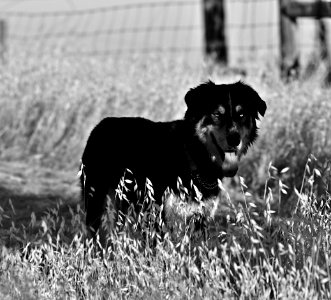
pixel 25 189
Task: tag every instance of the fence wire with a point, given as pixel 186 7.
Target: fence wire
pixel 146 27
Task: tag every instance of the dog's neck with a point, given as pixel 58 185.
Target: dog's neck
pixel 203 171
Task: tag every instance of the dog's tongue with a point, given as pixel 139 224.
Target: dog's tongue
pixel 230 164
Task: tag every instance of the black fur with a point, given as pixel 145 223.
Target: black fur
pixel 160 151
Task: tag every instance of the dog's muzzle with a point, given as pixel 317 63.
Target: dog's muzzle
pixel 230 164
pixel 230 159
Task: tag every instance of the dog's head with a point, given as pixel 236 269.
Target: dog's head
pixel 224 119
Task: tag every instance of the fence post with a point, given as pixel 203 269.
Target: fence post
pixel 289 54
pixel 3 40
pixel 323 35
pixel 215 33
pixel 322 54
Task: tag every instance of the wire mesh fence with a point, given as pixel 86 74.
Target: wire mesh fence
pixel 171 27
pixel 122 29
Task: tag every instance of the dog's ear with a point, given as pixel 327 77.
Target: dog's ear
pixel 194 96
pixel 248 92
pixel 261 106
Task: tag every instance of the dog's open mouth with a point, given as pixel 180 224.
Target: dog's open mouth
pixel 230 159
pixel 230 164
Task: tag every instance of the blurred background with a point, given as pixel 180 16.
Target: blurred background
pixel 249 30
pixel 66 64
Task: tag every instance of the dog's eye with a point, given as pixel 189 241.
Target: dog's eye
pixel 216 115
pixel 241 117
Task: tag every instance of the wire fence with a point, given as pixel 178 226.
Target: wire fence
pixel 147 27
pixel 123 29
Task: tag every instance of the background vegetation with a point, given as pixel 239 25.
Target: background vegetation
pixel 277 234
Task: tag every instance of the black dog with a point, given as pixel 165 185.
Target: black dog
pixel 218 127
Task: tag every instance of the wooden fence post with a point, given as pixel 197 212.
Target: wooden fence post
pixel 3 40
pixel 321 55
pixel 323 39
pixel 289 54
pixel 215 33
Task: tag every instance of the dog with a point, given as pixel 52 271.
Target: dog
pixel 205 146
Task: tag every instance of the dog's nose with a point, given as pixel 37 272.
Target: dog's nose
pixel 233 139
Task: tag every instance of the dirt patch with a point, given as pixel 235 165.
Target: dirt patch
pixel 25 189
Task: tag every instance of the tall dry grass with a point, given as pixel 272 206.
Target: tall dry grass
pixel 50 104
pixel 253 255
pixel 297 124
pixel 48 107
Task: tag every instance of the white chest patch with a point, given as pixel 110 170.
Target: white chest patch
pixel 176 209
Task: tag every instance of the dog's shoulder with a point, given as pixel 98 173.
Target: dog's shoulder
pixel 110 122
pixel 138 124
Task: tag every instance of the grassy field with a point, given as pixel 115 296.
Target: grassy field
pixel 270 239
